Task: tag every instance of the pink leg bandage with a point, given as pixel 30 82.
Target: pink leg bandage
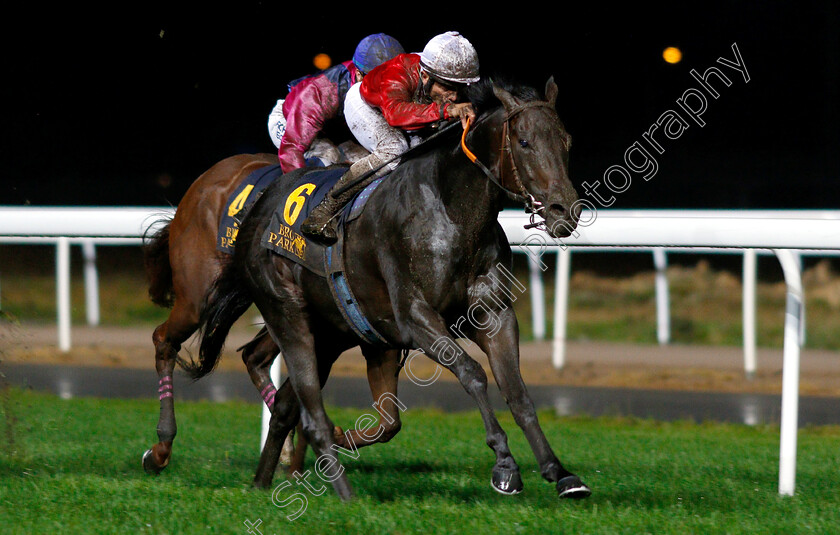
pixel 165 388
pixel 268 395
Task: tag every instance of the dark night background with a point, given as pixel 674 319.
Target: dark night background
pixel 120 105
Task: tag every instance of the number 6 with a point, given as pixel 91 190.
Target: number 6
pixel 295 202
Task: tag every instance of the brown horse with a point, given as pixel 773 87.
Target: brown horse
pixel 182 261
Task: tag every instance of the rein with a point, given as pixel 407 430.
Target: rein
pixel 417 148
pixel 532 206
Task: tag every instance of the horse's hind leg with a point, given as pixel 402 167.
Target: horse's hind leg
pixel 295 337
pixel 283 418
pixel 382 373
pixel 167 338
pixel 502 349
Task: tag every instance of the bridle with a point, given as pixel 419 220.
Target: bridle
pixel 518 192
pixel 532 206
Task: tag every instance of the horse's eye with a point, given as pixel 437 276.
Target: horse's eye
pixel 523 143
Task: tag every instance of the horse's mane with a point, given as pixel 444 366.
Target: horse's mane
pixel 481 95
pixel 484 100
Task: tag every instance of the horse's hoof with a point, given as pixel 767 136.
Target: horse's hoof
pixel 149 464
pixel 287 453
pixel 342 488
pixel 261 484
pixel 572 487
pixel 506 481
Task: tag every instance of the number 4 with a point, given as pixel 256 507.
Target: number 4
pixel 239 202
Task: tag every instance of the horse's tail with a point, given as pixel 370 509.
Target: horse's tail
pixel 158 268
pixel 226 301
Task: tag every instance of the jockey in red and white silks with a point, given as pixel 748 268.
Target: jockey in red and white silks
pixel 394 101
pixel 409 93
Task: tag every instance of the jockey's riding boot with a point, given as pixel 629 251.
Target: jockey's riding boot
pixel 321 225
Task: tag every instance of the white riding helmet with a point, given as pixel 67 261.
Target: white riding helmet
pixel 450 57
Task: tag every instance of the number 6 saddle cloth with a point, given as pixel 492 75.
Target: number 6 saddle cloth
pixel 283 235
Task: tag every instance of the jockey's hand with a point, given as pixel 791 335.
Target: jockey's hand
pixel 463 111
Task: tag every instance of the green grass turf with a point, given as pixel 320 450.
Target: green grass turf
pixel 73 466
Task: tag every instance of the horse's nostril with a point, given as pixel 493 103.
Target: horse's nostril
pixel 561 212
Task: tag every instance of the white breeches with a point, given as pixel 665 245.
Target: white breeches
pixel 372 131
pixel 277 123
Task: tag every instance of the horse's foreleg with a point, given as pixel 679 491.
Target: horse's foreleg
pixel 430 334
pixel 502 349
pixel 382 376
pixel 284 417
pixel 294 456
pixel 258 356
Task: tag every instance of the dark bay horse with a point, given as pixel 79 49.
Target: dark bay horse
pixel 182 261
pixel 426 254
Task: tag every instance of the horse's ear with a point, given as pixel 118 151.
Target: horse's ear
pixel 504 96
pixel 551 91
